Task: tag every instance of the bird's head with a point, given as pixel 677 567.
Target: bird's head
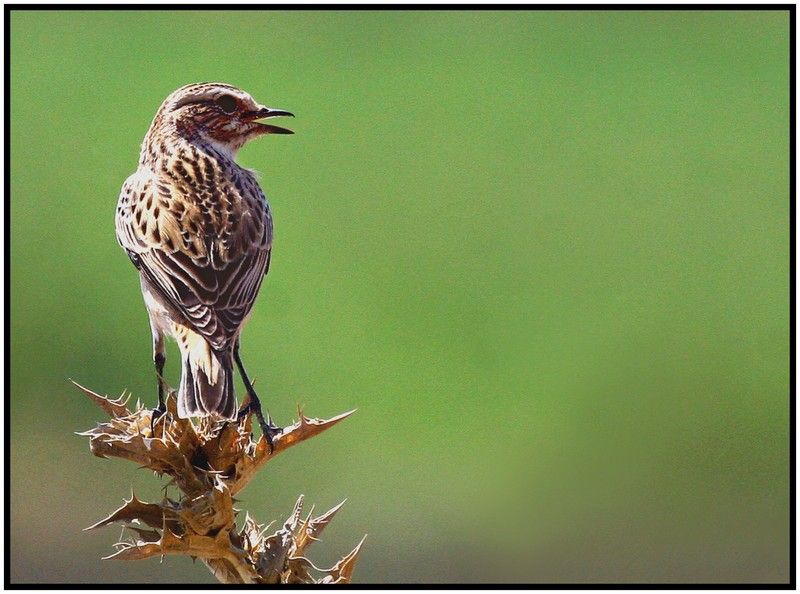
pixel 217 113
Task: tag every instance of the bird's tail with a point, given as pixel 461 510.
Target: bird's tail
pixel 206 380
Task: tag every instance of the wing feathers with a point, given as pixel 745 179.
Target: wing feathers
pixel 213 288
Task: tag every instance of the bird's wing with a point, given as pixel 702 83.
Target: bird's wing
pixel 211 279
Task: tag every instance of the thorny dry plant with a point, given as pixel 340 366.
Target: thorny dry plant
pixel 210 465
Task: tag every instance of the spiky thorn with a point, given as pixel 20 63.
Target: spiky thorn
pixel 302 429
pixel 114 408
pixel 209 465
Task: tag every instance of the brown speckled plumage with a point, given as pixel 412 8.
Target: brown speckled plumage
pixel 199 229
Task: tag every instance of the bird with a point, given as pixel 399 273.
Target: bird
pixel 199 230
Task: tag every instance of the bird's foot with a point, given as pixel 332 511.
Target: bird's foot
pixel 157 414
pixel 268 428
pixel 270 431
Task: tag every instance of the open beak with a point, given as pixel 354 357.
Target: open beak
pixel 267 112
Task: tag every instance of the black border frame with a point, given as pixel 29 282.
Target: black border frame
pixel 790 8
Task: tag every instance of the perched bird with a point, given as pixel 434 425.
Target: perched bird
pixel 199 230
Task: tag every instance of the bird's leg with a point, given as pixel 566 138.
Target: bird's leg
pixel 269 429
pixel 159 359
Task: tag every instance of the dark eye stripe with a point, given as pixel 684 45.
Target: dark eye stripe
pixel 227 103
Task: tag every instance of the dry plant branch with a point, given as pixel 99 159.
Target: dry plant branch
pixel 210 464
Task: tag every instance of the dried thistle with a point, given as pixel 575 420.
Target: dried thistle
pixel 210 464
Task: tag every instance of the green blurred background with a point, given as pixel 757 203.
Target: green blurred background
pixel 544 253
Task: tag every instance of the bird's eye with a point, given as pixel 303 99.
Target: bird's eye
pixel 227 103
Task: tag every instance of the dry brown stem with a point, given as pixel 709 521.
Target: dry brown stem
pixel 210 464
